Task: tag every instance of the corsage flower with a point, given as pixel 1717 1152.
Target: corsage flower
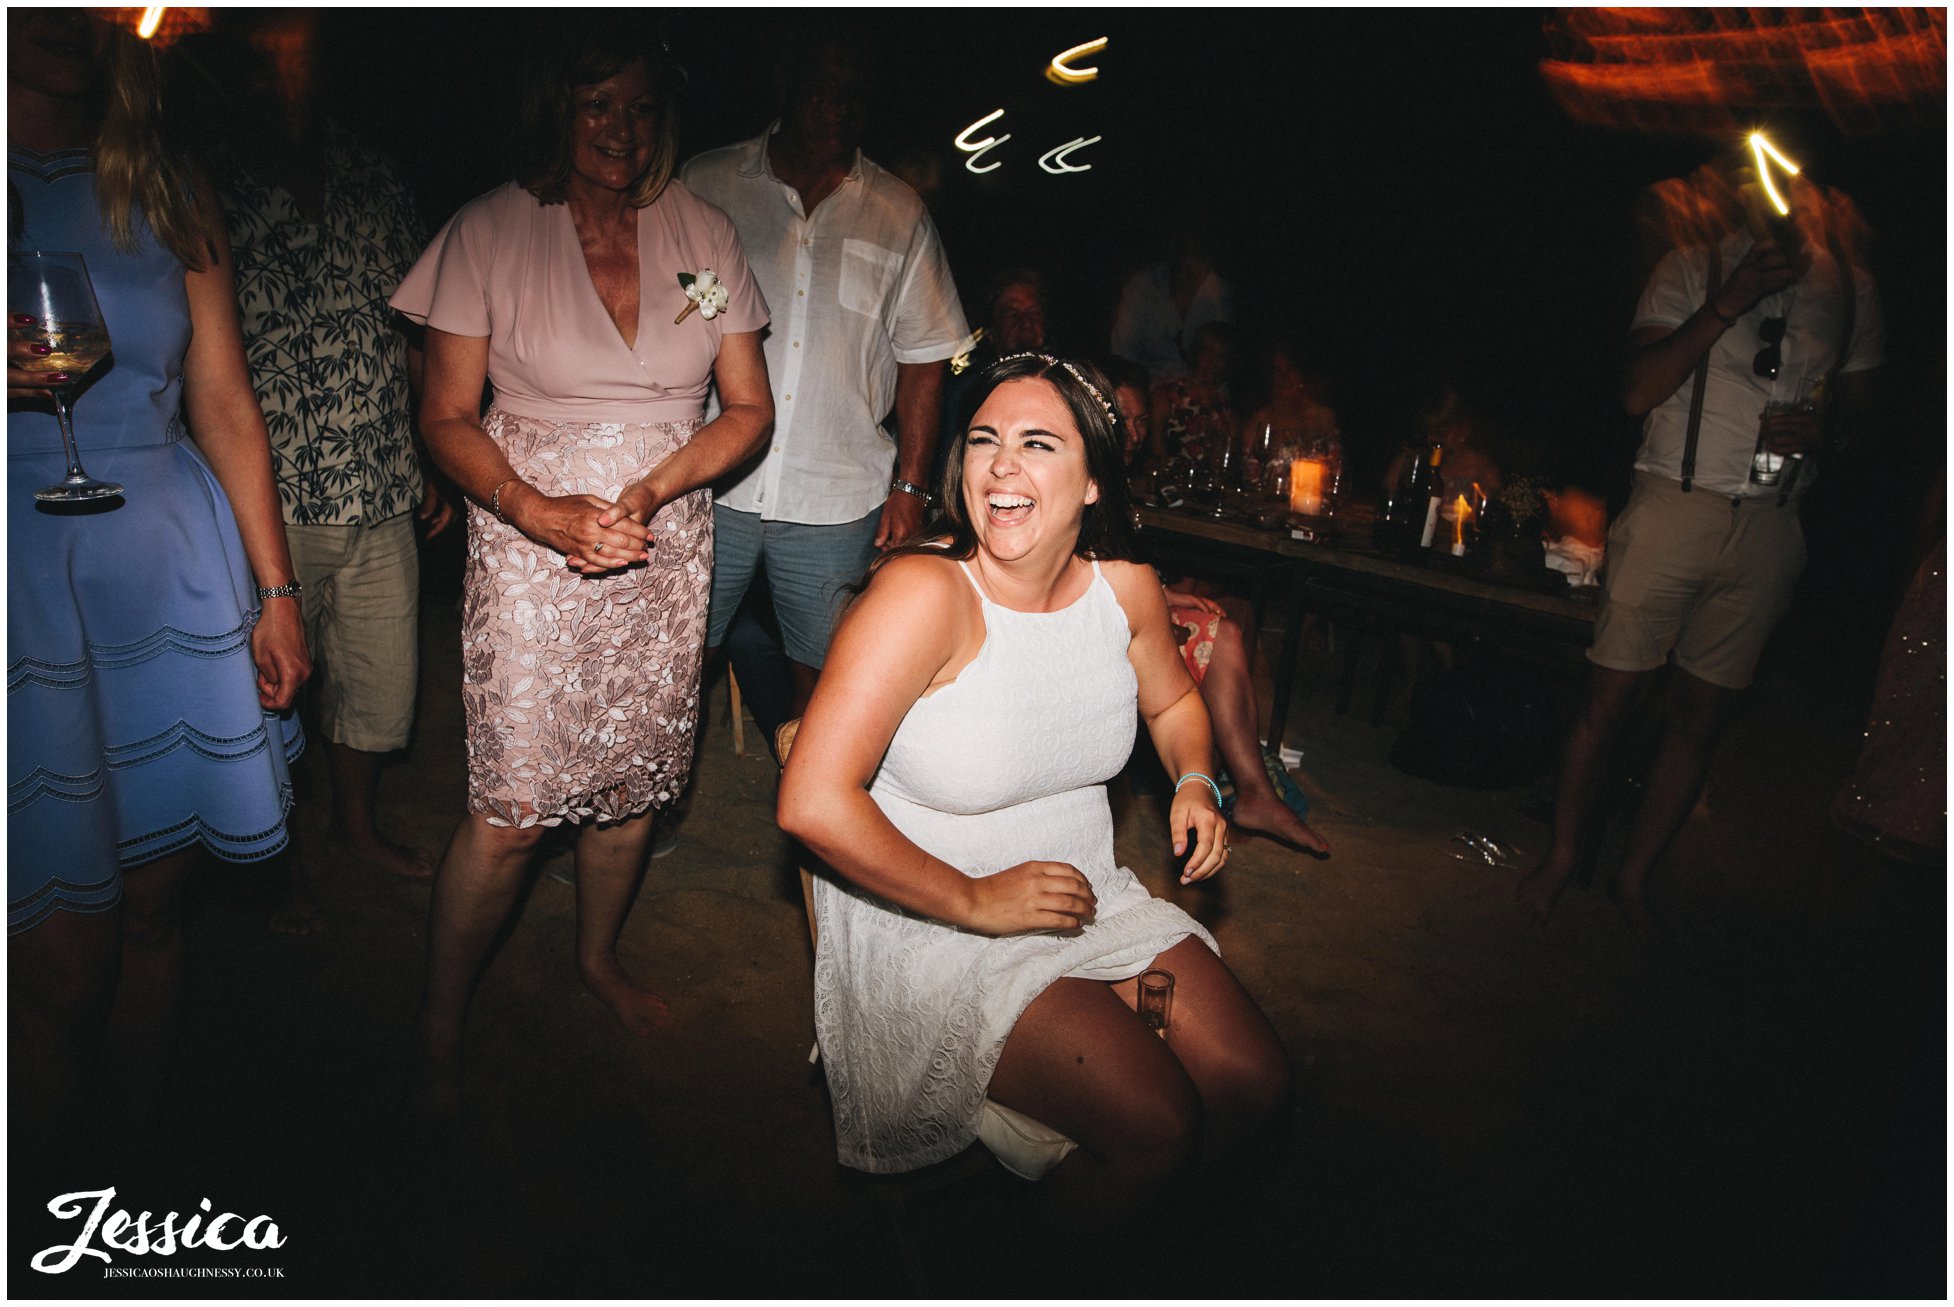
pixel 705 292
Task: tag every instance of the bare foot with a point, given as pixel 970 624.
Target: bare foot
pixel 382 853
pixel 1540 889
pixel 1267 815
pixel 640 1010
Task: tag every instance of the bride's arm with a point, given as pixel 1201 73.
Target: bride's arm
pixel 1171 706
pixel 891 646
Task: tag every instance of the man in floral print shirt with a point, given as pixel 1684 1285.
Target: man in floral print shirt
pixel 322 232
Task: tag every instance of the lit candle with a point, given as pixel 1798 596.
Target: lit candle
pixel 1459 528
pixel 1306 478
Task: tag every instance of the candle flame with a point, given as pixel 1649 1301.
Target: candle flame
pixel 152 18
pixel 1459 522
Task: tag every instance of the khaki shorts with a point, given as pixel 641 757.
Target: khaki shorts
pixel 362 597
pixel 1697 574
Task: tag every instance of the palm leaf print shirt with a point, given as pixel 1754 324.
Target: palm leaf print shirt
pixel 327 358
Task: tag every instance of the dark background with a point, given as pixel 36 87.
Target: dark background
pixel 1400 187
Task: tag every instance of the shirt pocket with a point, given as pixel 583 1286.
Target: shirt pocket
pixel 868 276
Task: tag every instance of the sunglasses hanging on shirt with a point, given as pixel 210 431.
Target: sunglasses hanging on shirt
pixel 1771 357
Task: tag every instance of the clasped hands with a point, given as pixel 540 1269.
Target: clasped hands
pixel 594 535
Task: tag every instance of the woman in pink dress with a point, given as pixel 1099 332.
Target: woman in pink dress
pixel 590 528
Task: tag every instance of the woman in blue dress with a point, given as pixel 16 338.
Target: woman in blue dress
pixel 154 644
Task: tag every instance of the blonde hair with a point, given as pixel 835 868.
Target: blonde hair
pixel 586 49
pixel 133 173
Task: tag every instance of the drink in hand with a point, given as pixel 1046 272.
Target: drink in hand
pixel 73 347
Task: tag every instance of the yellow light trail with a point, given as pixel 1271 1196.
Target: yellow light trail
pixel 152 18
pixel 1760 148
pixel 1061 71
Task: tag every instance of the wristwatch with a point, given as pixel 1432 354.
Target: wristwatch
pixel 290 590
pixel 911 488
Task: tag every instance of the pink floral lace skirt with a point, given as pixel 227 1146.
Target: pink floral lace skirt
pixel 581 693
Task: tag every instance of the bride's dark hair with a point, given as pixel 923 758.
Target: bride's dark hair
pixel 1105 529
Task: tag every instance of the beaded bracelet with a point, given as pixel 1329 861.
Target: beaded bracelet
pixel 1200 776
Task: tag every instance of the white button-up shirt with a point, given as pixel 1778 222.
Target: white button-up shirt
pixel 1734 401
pixel 856 289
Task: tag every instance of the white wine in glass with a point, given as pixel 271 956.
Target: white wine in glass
pixel 52 288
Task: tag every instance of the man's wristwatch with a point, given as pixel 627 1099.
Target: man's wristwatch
pixel 911 488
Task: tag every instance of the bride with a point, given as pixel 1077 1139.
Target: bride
pixel 951 768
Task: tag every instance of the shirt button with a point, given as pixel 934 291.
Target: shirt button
pixel 790 396
pixel 800 292
pixel 797 344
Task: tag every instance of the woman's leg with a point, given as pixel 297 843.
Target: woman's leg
pixel 475 890
pixel 1080 1062
pixel 1230 695
pixel 145 1020
pixel 610 867
pixel 1229 1051
pixel 61 978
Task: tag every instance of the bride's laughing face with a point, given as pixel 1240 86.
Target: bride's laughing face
pixel 1025 484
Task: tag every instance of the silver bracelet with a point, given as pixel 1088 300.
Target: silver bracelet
pixel 495 499
pixel 911 488
pixel 290 590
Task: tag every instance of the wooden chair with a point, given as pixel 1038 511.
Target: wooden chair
pixel 1021 1145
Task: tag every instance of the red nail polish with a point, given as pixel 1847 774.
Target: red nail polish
pixel 23 320
pixel 40 349
pixel 56 376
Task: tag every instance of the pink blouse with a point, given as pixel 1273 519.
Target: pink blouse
pixel 511 269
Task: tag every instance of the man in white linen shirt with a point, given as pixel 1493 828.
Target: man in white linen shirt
pixel 866 316
pixel 1703 561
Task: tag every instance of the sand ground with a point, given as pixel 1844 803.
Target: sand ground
pixel 1751 1104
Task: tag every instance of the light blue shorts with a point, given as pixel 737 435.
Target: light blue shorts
pixel 807 566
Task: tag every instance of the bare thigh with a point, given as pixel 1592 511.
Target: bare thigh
pixel 1217 1032
pixel 1080 1062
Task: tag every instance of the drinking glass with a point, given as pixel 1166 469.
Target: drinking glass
pixel 52 288
pixel 1156 1001
pixel 1766 468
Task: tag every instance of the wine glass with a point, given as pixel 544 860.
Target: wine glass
pixel 52 288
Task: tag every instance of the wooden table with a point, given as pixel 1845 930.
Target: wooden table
pixel 1440 598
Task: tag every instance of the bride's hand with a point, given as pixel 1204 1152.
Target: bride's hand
pixel 1030 896
pixel 1194 809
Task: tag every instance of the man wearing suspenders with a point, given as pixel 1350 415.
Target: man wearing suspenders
pixel 1702 562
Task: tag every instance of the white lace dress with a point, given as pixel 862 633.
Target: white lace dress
pixel 1006 764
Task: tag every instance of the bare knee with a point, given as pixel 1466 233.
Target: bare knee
pixel 1258 1087
pixel 503 844
pixel 1157 1137
pixel 151 921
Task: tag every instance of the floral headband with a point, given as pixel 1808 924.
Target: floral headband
pixel 1077 376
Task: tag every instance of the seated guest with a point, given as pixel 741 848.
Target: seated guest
pixel 1217 654
pixel 1192 420
pixel 980 939
pixel 1014 324
pixel 1164 308
pixel 1297 411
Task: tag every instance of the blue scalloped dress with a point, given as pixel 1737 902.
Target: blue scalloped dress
pixel 133 723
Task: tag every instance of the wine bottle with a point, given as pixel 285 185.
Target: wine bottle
pixel 1433 487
